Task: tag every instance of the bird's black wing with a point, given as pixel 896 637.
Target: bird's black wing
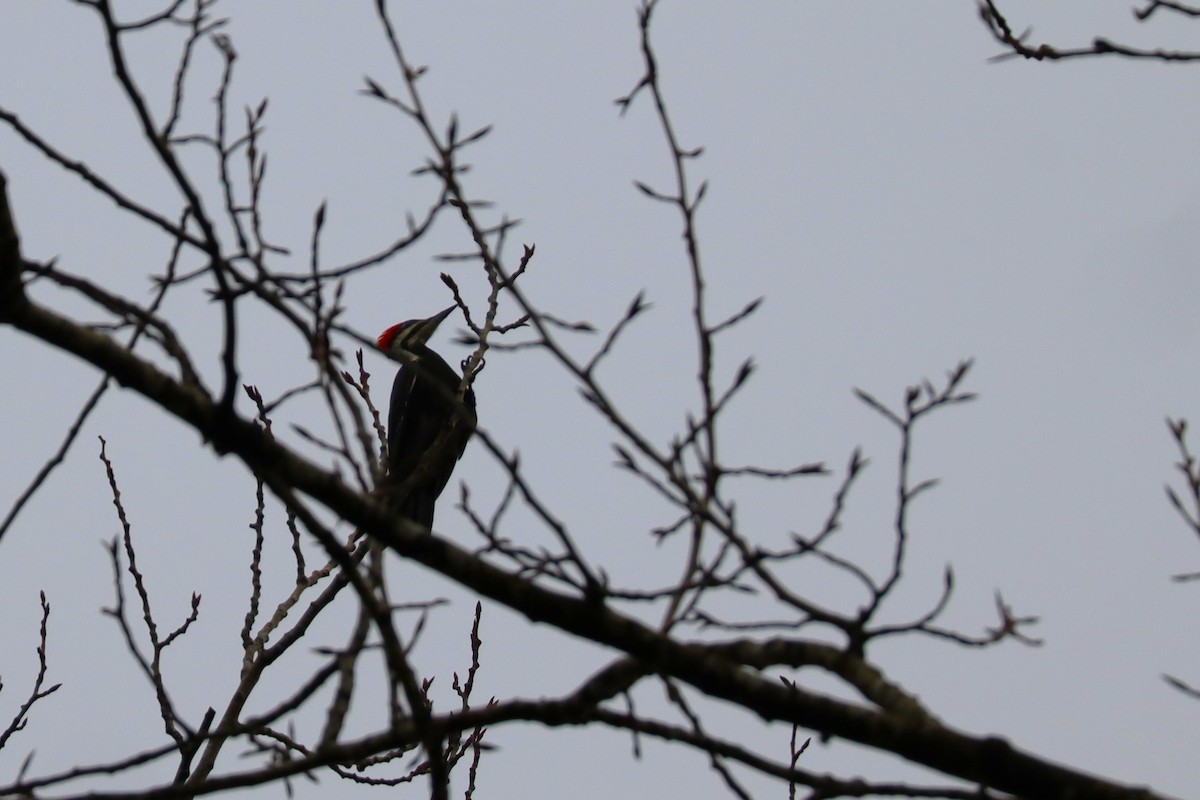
pixel 422 409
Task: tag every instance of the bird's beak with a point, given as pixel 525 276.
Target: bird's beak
pixel 437 318
pixel 430 325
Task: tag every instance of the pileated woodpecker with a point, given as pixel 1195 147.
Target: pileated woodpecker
pixel 428 426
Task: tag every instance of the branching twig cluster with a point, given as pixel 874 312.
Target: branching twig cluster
pixel 673 651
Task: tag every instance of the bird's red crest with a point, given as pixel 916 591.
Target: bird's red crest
pixel 387 337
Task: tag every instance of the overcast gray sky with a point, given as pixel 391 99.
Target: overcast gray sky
pixel 900 202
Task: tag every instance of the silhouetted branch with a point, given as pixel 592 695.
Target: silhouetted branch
pixel 1018 45
pixel 36 693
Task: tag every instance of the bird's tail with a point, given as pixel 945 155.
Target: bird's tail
pixel 418 507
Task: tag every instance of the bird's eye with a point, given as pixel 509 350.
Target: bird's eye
pixel 389 336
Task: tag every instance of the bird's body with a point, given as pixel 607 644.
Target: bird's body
pixel 428 426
